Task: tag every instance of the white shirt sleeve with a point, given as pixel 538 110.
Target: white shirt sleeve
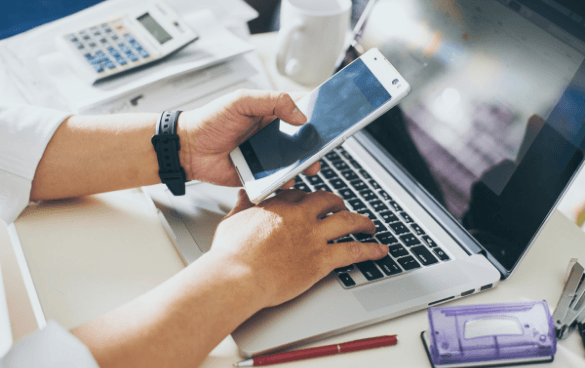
pixel 51 347
pixel 25 132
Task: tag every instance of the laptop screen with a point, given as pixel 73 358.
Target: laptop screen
pixel 493 128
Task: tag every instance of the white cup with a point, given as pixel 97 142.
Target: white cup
pixel 311 38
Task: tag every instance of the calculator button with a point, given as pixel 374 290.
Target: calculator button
pixel 84 35
pixel 117 56
pixel 126 50
pixel 78 44
pixel 95 64
pixel 95 31
pixel 91 44
pixel 71 37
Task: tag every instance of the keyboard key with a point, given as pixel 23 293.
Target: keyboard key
pixel 374 184
pixel 346 193
pixel 396 206
pixel 346 279
pixel 298 180
pixel 349 175
pixel 314 180
pixel 302 186
pixel 397 250
pixel 424 255
pixel 385 196
pixel 357 204
pixel 430 242
pixel 332 156
pixel 344 153
pixel 340 165
pixel 417 229
pixel 389 217
pixel 328 173
pixel 399 228
pixel 323 163
pixel 344 269
pixel 337 183
pixel 370 270
pixel 363 237
pixel 442 255
pixel 386 238
pixel 368 213
pixel 365 174
pixel 368 195
pixel 324 187
pixel 355 164
pixel 389 266
pixel 406 217
pixel 358 185
pixel 378 206
pixel 345 239
pixel 408 263
pixel 409 239
pixel 380 227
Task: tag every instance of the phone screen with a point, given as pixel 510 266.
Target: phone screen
pixel 332 109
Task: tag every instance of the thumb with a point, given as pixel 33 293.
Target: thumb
pixel 243 203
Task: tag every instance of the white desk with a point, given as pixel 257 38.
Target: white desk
pixel 92 254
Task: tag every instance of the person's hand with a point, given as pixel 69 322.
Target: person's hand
pixel 283 241
pixel 207 135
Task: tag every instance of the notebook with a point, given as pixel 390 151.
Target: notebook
pixel 459 178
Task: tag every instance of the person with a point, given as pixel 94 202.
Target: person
pixel 262 255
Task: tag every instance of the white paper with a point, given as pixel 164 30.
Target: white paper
pixel 215 44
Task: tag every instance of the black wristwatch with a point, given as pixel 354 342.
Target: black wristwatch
pixel 166 144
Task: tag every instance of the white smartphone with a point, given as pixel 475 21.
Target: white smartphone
pixel 338 108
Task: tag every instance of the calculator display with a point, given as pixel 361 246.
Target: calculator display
pixel 154 28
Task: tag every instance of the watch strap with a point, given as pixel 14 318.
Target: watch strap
pixel 167 146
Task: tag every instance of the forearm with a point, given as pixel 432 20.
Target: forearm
pixel 91 154
pixel 96 154
pixel 178 323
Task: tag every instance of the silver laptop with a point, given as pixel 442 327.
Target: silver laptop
pixel 459 179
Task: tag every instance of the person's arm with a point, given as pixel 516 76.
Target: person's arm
pixel 261 256
pixel 95 154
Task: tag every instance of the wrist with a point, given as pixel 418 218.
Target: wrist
pixel 184 141
pixel 247 282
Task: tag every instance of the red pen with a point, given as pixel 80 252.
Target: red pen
pixel 345 347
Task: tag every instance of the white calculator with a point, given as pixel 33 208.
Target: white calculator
pixel 131 40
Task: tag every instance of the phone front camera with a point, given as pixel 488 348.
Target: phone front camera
pixel 395 82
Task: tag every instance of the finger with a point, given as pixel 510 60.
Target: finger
pixel 288 184
pixel 297 95
pixel 291 195
pixel 313 169
pixel 321 203
pixel 263 103
pixel 243 203
pixel 343 223
pixel 344 254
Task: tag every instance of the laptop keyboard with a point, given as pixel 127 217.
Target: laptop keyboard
pixel 410 247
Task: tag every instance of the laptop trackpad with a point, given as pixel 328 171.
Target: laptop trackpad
pixel 202 208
